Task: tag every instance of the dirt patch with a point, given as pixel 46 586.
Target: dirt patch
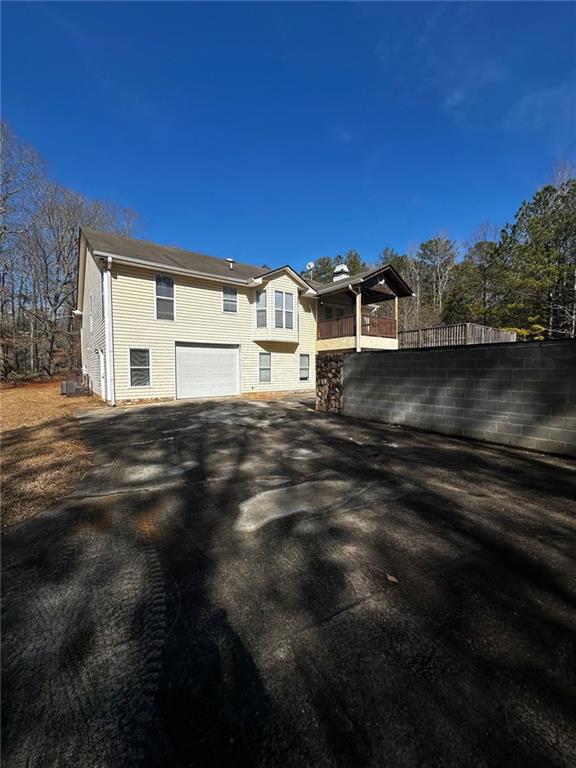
pixel 42 453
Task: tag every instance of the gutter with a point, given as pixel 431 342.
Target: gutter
pixel 165 268
pixel 108 335
pixel 252 282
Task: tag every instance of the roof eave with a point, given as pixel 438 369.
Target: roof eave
pixel 332 287
pixel 117 257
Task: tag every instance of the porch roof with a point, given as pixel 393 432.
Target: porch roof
pixel 379 284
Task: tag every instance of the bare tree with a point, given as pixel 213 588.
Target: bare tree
pixel 39 253
pixel 438 256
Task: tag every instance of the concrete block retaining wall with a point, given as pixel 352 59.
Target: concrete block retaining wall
pixel 518 394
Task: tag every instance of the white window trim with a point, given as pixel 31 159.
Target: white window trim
pixel 156 297
pixel 91 315
pixel 163 319
pixel 276 309
pixel 284 310
pixel 266 369
pixel 293 311
pixel 228 311
pixel 300 356
pixel 140 386
pixel 265 309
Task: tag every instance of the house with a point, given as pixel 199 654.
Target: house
pixel 159 322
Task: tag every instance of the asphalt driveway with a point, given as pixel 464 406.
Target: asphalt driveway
pixel 256 584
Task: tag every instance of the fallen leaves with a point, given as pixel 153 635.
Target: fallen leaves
pixel 43 454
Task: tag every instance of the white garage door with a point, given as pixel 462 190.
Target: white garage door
pixel 207 370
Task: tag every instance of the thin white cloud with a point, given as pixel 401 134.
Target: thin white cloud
pixel 549 111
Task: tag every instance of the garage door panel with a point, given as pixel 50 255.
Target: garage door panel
pixel 207 370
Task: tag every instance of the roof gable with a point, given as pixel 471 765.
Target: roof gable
pixel 287 270
pixel 392 277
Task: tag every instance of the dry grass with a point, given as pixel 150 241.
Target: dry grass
pixel 42 454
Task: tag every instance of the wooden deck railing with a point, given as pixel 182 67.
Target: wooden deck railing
pixel 372 325
pixel 453 335
pixel 346 326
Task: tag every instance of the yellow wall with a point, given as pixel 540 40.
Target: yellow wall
pixel 199 317
pixel 92 337
pixel 349 342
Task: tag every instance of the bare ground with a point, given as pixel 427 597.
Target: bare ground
pixel 43 455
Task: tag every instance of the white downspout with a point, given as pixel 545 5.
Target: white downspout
pixel 358 317
pixel 108 337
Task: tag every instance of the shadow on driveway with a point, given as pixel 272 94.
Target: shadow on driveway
pixel 256 584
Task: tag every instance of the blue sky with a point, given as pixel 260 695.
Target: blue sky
pixel 278 133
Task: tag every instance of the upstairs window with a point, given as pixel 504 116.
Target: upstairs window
pixel 164 297
pixel 289 310
pixel 283 310
pixel 261 314
pixel 304 367
pixel 278 309
pixel 229 299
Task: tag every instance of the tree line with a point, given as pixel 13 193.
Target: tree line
pixel 39 221
pixel 522 278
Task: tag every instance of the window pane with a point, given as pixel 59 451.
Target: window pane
pixel 289 310
pixel 278 300
pixel 164 286
pixel 279 318
pixel 328 313
pixel 139 357
pixel 261 317
pixel 264 367
pixel 230 299
pixel 304 367
pixel 165 309
pixel 139 377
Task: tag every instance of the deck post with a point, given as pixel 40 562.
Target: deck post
pixel 396 314
pixel 359 320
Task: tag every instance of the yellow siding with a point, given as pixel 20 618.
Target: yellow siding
pixel 92 330
pixel 199 317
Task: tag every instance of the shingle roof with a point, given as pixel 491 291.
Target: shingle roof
pixel 168 256
pixel 403 289
pixel 177 258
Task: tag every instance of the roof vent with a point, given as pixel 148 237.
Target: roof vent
pixel 341 272
pixel 231 263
